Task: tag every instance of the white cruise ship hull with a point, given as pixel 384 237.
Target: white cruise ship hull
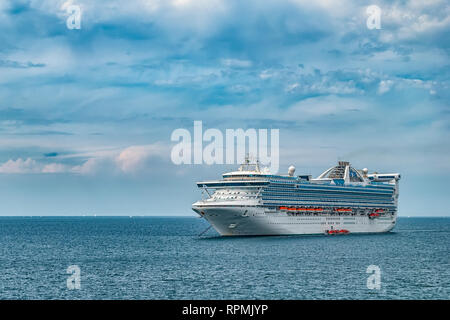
pixel 257 221
pixel 341 200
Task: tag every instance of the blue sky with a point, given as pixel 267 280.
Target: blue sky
pixel 86 115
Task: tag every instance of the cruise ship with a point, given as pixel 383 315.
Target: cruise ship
pixel 342 200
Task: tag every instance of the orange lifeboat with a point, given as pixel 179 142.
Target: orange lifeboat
pixel 343 210
pixel 341 231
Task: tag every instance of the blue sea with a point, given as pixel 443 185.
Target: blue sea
pixel 163 258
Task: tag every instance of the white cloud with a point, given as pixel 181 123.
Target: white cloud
pixel 384 86
pixel 414 20
pixel 20 166
pixel 265 74
pixel 317 107
pixel 54 168
pixel 237 63
pixel 134 158
pixel 91 166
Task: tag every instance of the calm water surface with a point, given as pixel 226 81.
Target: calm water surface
pixel 162 258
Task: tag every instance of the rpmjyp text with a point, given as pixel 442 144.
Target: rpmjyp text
pixel 249 309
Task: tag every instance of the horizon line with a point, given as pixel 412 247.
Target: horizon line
pixel 155 216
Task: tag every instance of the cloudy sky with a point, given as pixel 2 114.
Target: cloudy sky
pixel 86 114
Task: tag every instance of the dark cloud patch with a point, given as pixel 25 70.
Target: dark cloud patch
pixel 51 154
pixel 23 117
pixel 18 7
pixel 45 133
pixel 20 65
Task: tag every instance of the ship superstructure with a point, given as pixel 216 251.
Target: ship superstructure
pixel 251 201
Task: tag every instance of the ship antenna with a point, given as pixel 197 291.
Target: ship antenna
pixel 247 161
